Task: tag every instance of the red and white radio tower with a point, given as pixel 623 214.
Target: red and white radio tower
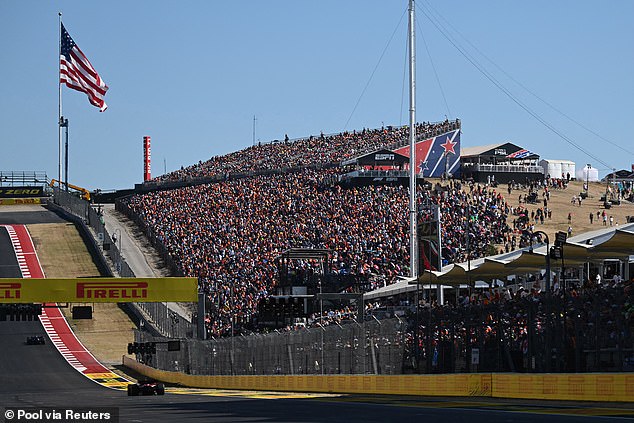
pixel 147 159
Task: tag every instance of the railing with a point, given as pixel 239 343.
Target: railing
pixel 167 322
pixel 479 167
pixel 192 181
pixel 22 178
pixel 379 173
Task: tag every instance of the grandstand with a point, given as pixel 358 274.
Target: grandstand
pixel 229 232
pixel 229 219
pixel 322 151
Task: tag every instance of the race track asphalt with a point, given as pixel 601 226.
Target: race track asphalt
pixel 37 215
pixel 8 262
pixel 38 376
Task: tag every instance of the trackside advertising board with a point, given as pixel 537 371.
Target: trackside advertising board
pixel 98 290
pixel 14 201
pixel 21 192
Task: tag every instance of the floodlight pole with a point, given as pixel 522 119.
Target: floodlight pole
pixel 563 312
pixel 468 251
pixel 254 122
pixel 232 331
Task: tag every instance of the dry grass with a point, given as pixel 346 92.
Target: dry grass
pixel 560 203
pixel 62 251
pixel 63 254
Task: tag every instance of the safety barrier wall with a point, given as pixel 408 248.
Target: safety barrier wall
pixel 588 387
pixel 440 385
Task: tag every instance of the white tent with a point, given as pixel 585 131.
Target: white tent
pixel 589 174
pixel 558 168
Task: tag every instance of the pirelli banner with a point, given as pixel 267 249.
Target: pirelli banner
pixel 98 290
pixel 21 192
pixel 16 201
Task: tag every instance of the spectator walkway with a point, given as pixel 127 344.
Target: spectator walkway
pixel 137 251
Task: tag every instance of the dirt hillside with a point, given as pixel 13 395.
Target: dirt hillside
pixel 560 203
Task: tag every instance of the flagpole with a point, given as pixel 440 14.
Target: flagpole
pixel 59 98
pixel 413 237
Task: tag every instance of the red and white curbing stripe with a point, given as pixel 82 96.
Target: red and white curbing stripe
pixel 54 322
pixel 59 343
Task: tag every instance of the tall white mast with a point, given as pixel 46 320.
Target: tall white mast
pixel 413 247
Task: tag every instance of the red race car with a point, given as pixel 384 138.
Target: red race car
pixel 146 387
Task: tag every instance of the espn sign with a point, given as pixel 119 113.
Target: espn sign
pixel 10 290
pixel 384 157
pixel 110 290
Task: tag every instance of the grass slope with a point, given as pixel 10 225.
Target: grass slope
pixel 63 254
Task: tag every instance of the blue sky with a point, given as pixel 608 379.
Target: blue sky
pixel 193 74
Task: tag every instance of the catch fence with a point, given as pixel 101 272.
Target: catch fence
pixel 592 333
pixel 375 347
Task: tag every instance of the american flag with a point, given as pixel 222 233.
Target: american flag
pixel 520 154
pixel 77 73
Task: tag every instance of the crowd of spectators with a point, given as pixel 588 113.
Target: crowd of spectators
pixel 229 233
pixel 304 152
pixel 584 327
pixel 478 211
